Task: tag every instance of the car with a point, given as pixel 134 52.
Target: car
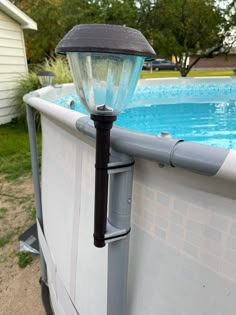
pixel 160 64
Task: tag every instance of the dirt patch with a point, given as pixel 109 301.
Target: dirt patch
pixel 19 288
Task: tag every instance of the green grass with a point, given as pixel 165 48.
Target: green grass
pixel 3 212
pixel 24 259
pixel 15 163
pixel 32 214
pixel 193 73
pixel 14 151
pixel 5 239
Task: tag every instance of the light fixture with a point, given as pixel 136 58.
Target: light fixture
pixel 105 61
pixel 45 77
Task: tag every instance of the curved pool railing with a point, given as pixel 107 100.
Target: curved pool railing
pixel 199 158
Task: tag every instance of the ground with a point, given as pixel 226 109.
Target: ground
pixel 19 287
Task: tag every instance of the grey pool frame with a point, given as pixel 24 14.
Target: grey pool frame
pixel 194 157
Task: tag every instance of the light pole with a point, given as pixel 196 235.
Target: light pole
pixel 45 77
pixel 105 61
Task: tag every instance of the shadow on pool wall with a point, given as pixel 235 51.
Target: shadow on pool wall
pixel 183 237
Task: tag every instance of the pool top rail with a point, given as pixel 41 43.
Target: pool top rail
pixel 198 158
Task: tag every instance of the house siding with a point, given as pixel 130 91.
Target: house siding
pixel 13 64
pixel 221 61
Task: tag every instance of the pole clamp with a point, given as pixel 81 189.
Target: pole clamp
pixel 113 234
pixel 119 167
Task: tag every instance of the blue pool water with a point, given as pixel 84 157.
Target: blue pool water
pixel 204 113
pixel 208 123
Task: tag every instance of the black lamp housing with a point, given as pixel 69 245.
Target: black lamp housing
pixel 105 38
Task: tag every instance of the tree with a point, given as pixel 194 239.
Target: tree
pixel 47 14
pixel 79 12
pixel 144 14
pixel 181 28
pixel 185 28
pixel 231 13
pixel 120 12
pixel 56 17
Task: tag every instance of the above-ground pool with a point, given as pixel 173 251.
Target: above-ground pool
pixel 202 112
pixel 179 258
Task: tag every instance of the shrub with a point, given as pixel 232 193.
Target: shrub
pixel 29 82
pixel 60 68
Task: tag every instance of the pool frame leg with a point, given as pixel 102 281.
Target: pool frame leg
pixel 121 181
pixel 38 204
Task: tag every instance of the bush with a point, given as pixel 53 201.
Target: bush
pixel 60 68
pixel 29 82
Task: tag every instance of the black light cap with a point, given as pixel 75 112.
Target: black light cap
pixel 45 74
pixel 105 38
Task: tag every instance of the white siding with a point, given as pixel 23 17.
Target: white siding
pixel 6 43
pixel 7 95
pixel 12 60
pixel 12 64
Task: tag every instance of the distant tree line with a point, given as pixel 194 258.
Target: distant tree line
pixel 180 28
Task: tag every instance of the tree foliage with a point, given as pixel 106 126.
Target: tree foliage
pixel 120 12
pixel 187 27
pixel 231 13
pixel 179 28
pixel 47 14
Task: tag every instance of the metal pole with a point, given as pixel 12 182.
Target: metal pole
pixel 36 181
pixel 38 204
pixel 103 125
pixel 121 181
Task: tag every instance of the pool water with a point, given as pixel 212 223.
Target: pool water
pixel 187 112
pixel 207 123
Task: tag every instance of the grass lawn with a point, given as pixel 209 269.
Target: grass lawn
pixel 193 73
pixel 14 151
pixel 17 210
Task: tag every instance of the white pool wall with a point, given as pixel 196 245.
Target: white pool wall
pixel 67 202
pixel 183 239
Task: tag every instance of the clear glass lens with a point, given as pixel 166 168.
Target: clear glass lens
pixel 45 80
pixel 105 79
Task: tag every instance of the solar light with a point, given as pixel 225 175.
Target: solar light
pixel 45 78
pixel 105 61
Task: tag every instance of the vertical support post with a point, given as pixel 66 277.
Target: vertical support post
pixel 103 125
pixel 36 181
pixel 38 204
pixel 121 181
